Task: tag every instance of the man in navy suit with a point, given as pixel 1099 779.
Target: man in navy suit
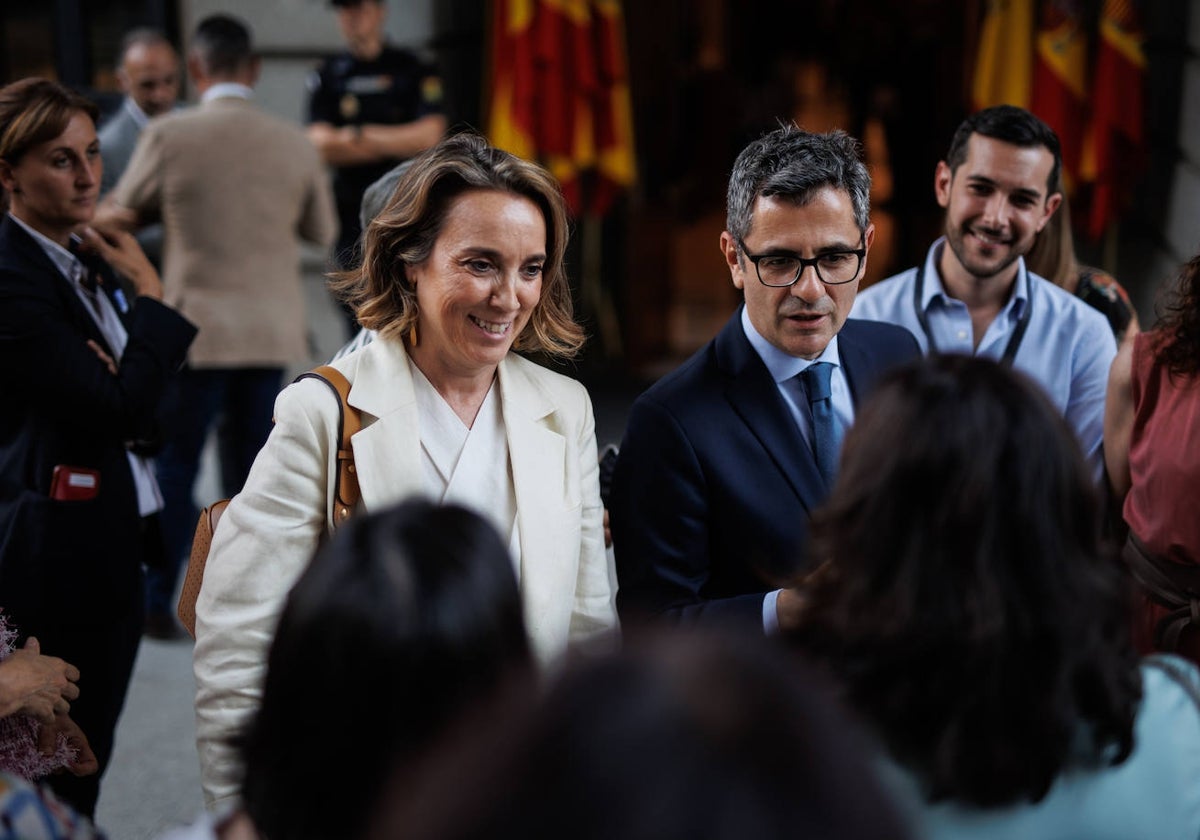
pixel 719 468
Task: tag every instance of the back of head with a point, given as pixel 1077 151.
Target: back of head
pixel 1009 124
pixel 34 111
pixel 376 196
pixel 683 735
pixel 967 601
pixel 401 622
pixel 795 164
pixel 223 44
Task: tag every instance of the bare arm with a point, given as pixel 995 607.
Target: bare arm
pixel 1118 420
pixel 372 142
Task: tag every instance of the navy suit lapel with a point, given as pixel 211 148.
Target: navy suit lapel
pixel 861 367
pixel 36 263
pixel 755 398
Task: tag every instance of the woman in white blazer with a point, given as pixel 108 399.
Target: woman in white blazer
pixel 463 267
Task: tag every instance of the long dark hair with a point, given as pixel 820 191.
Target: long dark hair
pixel 1179 323
pixel 680 735
pixel 402 621
pixel 967 601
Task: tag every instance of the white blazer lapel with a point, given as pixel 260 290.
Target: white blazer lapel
pixel 538 455
pixel 387 451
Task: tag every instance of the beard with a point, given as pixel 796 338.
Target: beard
pixel 981 268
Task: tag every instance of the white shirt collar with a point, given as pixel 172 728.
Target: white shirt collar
pixel 783 366
pixel 226 90
pixel 139 116
pixel 936 288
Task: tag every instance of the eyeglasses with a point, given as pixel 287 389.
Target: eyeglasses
pixel 783 269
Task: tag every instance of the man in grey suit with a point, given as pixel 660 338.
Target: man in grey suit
pixel 148 73
pixel 237 190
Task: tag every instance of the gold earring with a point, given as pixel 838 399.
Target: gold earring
pixel 412 336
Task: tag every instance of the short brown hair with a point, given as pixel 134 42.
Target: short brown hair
pixel 404 233
pixel 35 110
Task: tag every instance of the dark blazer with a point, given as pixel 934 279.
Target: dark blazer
pixel 62 406
pixel 714 485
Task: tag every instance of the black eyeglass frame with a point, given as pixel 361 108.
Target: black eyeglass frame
pixel 805 262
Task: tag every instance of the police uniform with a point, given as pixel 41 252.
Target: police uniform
pixel 395 88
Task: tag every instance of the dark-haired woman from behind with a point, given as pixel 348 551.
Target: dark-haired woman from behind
pixel 404 623
pixel 680 735
pixel 974 620
pixel 1152 451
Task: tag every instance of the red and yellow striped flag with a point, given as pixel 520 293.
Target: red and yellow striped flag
pixel 1060 83
pixel 560 94
pixel 1115 148
pixel 1004 62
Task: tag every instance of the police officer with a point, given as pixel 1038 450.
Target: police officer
pixel 369 108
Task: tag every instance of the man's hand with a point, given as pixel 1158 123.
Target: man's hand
pixel 119 249
pixel 37 685
pixel 789 608
pixel 106 359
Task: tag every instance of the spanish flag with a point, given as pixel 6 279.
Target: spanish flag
pixel 1060 81
pixel 1115 148
pixel 560 94
pixel 1004 62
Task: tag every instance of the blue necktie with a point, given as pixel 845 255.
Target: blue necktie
pixel 826 432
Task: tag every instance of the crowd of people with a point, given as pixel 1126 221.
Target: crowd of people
pixel 919 562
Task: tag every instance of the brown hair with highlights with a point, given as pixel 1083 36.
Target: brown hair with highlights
pixel 405 231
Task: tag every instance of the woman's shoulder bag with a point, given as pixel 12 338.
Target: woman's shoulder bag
pixel 345 492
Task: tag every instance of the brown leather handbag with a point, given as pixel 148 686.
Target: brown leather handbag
pixel 345 493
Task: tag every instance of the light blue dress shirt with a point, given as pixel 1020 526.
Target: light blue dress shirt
pixel 1155 793
pixel 784 369
pixel 1067 348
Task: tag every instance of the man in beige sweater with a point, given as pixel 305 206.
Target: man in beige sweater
pixel 236 190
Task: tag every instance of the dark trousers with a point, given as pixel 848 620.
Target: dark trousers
pixel 104 650
pixel 243 400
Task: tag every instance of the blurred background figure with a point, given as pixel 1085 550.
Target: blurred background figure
pixel 148 73
pixel 1152 448
pixel 976 623
pixel 404 623
pixel 999 185
pixel 369 108
pixel 1053 257
pixel 374 199
pixel 239 190
pixel 79 504
pixel 462 279
pixel 681 736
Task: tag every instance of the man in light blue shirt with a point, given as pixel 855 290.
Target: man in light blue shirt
pixel 973 294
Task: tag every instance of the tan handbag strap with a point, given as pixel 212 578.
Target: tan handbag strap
pixel 345 490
